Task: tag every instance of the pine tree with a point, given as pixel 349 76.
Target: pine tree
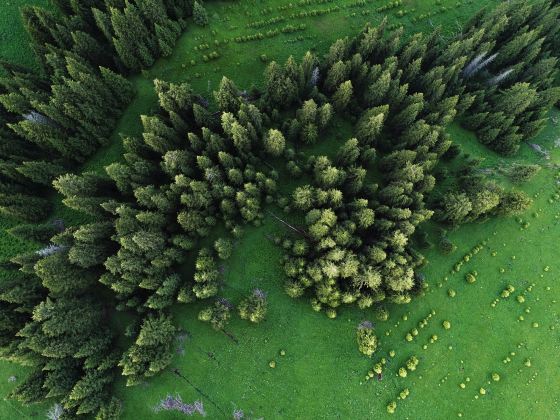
pixel 254 307
pixel 455 207
pixel 227 96
pixel 370 124
pixel 110 411
pixel 218 315
pixel 61 277
pixel 274 142
pixel 152 350
pixel 121 88
pixel 281 90
pixel 41 233
pixel 343 95
pixel 31 389
pixel 200 16
pixel 337 74
pixel 348 153
pixel 131 38
pixel 41 172
pixel 90 49
pixel 513 202
pixel 24 207
pixel 166 39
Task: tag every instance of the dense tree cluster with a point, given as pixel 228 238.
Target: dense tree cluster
pixel 197 165
pixel 54 322
pixel 192 170
pixel 471 197
pixel 127 35
pixel 356 244
pixel 52 120
pixel 513 59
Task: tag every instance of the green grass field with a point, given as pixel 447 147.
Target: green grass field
pixel 322 375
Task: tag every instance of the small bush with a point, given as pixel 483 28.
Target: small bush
pixel 254 307
pixel 366 338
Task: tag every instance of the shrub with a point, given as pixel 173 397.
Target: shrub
pixel 331 313
pixel 366 338
pixel 254 307
pixel 412 363
pixel 223 247
pixel 522 173
pixel 446 246
pixel 217 315
pixel 382 314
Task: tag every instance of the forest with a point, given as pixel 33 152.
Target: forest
pixel 93 303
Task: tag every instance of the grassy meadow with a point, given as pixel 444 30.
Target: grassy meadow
pixel 322 375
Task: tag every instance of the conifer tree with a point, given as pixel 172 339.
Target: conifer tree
pixel 227 96
pixel 274 142
pixel 254 307
pixel 343 95
pixel 200 16
pixel 41 233
pixel 152 350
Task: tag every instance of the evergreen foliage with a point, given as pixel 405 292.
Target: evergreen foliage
pixel 51 122
pixel 217 315
pixel 152 350
pixel 254 306
pixel 473 198
pixel 367 340
pixel 200 16
pixel 512 60
pixel 196 166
